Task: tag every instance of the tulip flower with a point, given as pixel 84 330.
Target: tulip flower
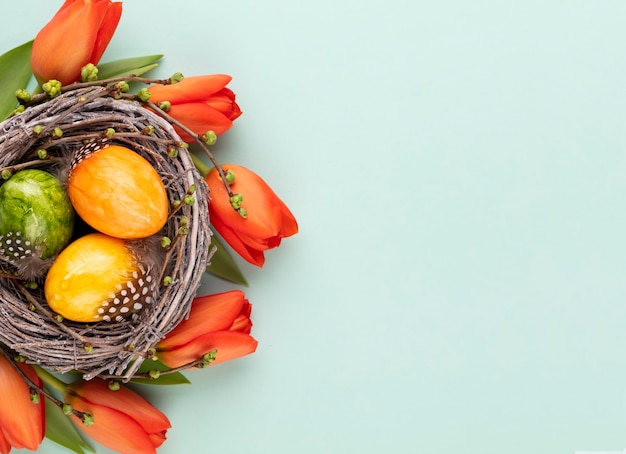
pixel 78 34
pixel 202 103
pixel 22 422
pixel 219 322
pixel 267 218
pixel 122 420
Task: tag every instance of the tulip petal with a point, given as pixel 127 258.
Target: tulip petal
pixel 113 429
pixel 253 256
pixel 208 313
pixel 21 419
pixel 107 28
pixel 268 218
pixel 229 345
pixel 5 446
pixel 96 392
pixel 200 117
pixel 57 53
pixel 190 89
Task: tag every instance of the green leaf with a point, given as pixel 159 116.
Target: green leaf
pixel 175 378
pixel 15 73
pixel 127 66
pixel 61 430
pixel 222 264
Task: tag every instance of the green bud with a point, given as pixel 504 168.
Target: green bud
pixel 154 374
pixel 192 189
pixel 109 133
pixel 89 73
pixel 167 281
pixel 88 348
pixel 148 130
pixel 176 77
pixel 123 86
pixel 151 354
pixel 114 385
pixel 184 221
pixel 182 144
pixel 57 133
pixel 52 88
pixel 230 176
pixel 143 94
pixel 243 213
pixel 42 153
pixel 189 200
pixel 67 409
pixel 19 109
pixel 32 307
pixel 82 99
pixel 6 174
pixel 210 356
pixel 31 285
pixel 183 230
pixel 165 106
pixel 37 129
pixel 210 138
pixel 165 241
pixel 59 318
pixel 175 203
pixel 23 96
pixel 19 359
pixel 236 200
pixel 88 419
pixel 35 397
pixel 172 152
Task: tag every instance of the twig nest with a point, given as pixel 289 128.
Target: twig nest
pixel 114 348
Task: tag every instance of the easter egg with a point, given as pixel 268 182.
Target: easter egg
pixel 36 217
pixel 98 278
pixel 117 192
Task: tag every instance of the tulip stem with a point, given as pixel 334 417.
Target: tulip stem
pixel 200 165
pixel 50 380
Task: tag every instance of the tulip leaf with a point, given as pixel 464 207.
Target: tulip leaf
pixel 61 430
pixel 175 378
pixel 15 73
pixel 127 66
pixel 223 265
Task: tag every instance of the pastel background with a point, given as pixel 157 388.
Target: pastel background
pixel 457 169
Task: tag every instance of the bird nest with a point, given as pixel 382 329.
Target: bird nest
pixel 106 349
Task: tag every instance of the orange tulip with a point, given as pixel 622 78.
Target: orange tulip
pixel 22 422
pixel 268 219
pixel 77 34
pixel 218 322
pixel 123 420
pixel 202 103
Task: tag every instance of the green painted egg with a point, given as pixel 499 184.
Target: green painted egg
pixel 36 216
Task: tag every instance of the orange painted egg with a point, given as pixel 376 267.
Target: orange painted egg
pixel 117 192
pixel 98 278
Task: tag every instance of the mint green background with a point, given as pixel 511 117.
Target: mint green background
pixel 457 169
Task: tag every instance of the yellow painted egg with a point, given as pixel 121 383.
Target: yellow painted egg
pixel 116 191
pixel 98 278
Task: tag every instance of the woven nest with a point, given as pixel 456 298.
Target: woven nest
pixel 105 349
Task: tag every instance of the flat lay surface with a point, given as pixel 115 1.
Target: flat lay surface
pixel 457 172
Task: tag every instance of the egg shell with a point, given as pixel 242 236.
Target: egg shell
pixel 35 210
pixel 87 273
pixel 117 192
